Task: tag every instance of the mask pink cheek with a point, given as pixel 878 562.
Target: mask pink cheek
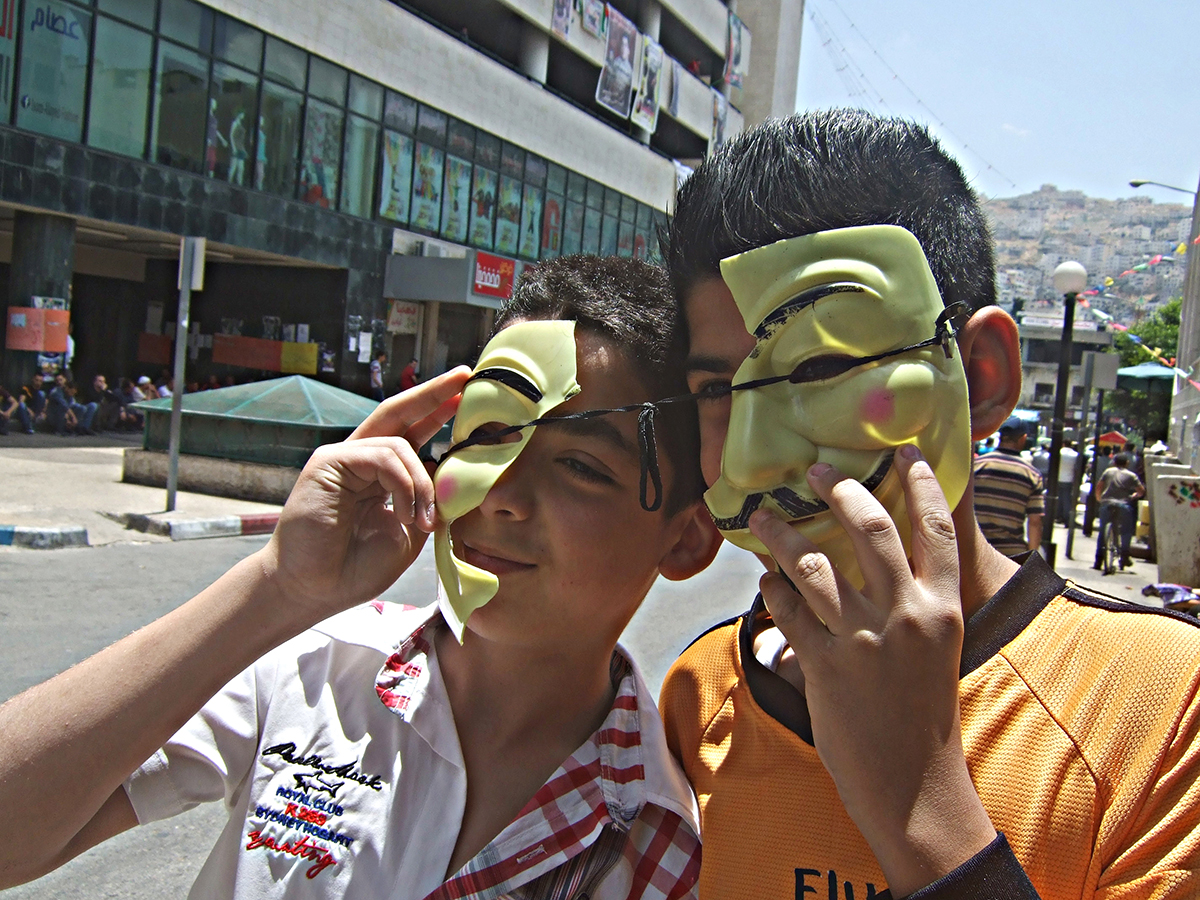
pixel 445 488
pixel 878 406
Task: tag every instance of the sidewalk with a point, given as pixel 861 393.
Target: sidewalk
pixel 1124 585
pixel 67 492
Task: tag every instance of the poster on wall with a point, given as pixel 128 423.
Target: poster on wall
pixel 720 115
pixel 54 66
pixel 456 200
pixel 614 90
pixel 737 52
pixel 531 218
pixel 322 154
pixel 396 188
pixel 592 17
pixel 404 317
pixel 508 216
pixel 645 103
pixel 427 187
pixel 673 95
pixel 560 18
pixel 552 226
pixel 483 207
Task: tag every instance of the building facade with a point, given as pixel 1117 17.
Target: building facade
pixel 1041 349
pixel 369 175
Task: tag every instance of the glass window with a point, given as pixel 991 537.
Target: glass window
pixel 400 113
pixel 592 221
pixel 629 210
pixel 237 42
pixel 552 226
pixel 576 187
pixel 139 12
pixel 612 203
pixel 327 81
pixel 508 216
pixel 234 106
pixel 483 207
pixel 320 158
pixel 187 22
pixel 531 221
pixel 431 126
pixel 8 56
pixel 396 181
pixel 461 139
pixel 608 236
pixel 625 232
pixel 556 179
pixel 572 238
pixel 181 98
pixel 54 55
pixel 643 217
pixel 278 140
pixel 358 185
pixel 285 63
pixel 595 196
pixel 427 187
pixel 535 170
pixel 366 97
pixel 456 199
pixel 487 150
pixel 512 161
pixel 120 88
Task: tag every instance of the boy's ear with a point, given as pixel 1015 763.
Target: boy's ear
pixel 991 352
pixel 695 547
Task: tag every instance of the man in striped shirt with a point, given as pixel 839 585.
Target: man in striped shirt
pixel 1009 494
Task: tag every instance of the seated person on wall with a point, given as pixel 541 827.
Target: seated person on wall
pixel 9 409
pixel 903 707
pixel 66 414
pixel 127 394
pixel 108 407
pixel 33 404
pixel 497 743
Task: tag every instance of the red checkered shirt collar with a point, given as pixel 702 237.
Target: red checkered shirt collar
pixel 593 813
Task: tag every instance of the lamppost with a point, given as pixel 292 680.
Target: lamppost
pixel 1069 279
pixel 1184 402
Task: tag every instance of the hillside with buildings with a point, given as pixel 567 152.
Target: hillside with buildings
pixel 1035 232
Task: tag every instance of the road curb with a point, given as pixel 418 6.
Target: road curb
pixel 193 529
pixel 43 538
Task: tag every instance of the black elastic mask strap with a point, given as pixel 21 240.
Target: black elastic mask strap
pixel 648 450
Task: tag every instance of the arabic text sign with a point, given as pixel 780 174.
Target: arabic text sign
pixel 494 275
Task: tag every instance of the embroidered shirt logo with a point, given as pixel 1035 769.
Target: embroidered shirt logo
pixel 287 752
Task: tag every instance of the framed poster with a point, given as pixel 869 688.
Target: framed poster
pixel 720 114
pixel 427 187
pixel 552 226
pixel 592 17
pixel 645 103
pixel 560 18
pixel 483 207
pixel 531 220
pixel 737 52
pixel 508 216
pixel 614 90
pixel 456 199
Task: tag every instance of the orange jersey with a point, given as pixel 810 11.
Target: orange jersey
pixel 1079 722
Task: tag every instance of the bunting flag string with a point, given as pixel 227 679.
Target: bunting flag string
pixel 1170 256
pixel 1155 353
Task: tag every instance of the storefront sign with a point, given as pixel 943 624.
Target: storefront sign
pixel 403 317
pixel 494 275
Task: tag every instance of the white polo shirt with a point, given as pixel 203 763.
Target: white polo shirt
pixel 338 759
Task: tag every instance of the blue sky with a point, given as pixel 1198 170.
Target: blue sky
pixel 1083 95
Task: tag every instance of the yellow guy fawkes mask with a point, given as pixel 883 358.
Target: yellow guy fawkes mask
pixel 820 306
pixel 524 372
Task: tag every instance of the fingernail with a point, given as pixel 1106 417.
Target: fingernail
pixel 819 470
pixel 430 512
pixel 761 518
pixel 910 451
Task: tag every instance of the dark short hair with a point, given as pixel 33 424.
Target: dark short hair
pixel 830 169
pixel 629 302
pixel 1121 460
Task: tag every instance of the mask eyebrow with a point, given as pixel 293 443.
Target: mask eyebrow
pixel 801 301
pixel 509 378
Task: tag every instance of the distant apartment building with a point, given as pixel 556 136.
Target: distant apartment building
pixel 369 175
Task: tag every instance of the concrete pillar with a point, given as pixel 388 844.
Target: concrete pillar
pixel 534 56
pixel 770 88
pixel 43 259
pixel 1185 404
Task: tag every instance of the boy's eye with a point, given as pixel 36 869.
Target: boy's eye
pixel 713 390
pixel 484 434
pixel 582 470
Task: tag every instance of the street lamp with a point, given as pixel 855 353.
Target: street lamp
pixel 1138 182
pixel 1069 279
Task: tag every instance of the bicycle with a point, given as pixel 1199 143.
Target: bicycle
pixel 1110 554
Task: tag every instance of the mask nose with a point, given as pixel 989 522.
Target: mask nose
pixel 763 447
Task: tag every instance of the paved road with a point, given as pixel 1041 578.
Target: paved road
pixel 58 607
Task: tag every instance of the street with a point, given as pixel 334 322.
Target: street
pixel 60 606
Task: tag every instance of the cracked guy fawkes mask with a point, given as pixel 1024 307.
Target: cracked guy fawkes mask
pixel 525 371
pixel 842 322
